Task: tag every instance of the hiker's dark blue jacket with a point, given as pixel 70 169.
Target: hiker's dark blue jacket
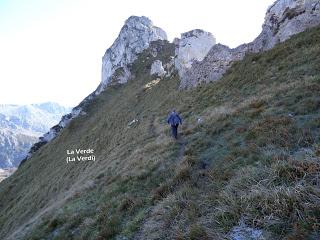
pixel 174 119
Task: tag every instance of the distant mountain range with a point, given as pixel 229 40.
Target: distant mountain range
pixel 22 125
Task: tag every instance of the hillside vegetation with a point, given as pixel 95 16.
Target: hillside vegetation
pixel 249 150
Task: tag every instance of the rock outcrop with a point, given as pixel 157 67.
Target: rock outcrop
pixel 213 66
pixel 157 69
pixel 283 19
pixel 135 36
pixel 193 46
pixel 6 172
pixel 160 54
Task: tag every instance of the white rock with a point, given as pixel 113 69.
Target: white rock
pixel 193 46
pixel 55 130
pixel 157 69
pixel 134 37
pixel 199 120
pixel 133 122
pixel 213 66
pixel 285 18
pixel 244 232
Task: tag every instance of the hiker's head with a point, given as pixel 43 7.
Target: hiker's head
pixel 173 110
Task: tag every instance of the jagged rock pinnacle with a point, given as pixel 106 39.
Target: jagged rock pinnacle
pixel 134 37
pixel 193 46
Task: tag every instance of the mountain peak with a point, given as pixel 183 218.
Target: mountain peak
pixel 195 33
pixel 193 46
pixel 134 37
pixel 136 19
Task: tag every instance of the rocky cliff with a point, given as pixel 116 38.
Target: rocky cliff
pixel 283 19
pixel 193 46
pixel 135 36
pixel 213 66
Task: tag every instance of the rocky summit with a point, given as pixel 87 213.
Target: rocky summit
pixel 135 36
pixel 193 46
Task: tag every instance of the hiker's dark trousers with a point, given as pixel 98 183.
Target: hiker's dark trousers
pixel 174 129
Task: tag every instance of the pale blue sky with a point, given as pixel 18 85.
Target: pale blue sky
pixel 51 50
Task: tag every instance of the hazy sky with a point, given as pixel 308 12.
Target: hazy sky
pixel 51 50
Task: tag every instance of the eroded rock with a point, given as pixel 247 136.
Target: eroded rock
pixel 283 19
pixel 157 69
pixel 213 66
pixel 135 36
pixel 193 46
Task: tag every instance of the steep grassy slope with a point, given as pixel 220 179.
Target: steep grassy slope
pixel 249 150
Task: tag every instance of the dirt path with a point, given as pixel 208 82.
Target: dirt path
pixel 182 147
pixel 181 140
pixel 153 221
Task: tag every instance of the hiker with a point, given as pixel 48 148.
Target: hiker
pixel 174 120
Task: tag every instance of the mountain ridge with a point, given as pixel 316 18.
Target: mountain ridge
pixel 245 165
pixel 257 139
pixel 202 61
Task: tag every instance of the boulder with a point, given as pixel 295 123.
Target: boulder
pixel 157 69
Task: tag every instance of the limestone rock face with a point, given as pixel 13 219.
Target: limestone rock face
pixel 193 46
pixel 213 66
pixel 135 36
pixel 283 19
pixel 157 69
